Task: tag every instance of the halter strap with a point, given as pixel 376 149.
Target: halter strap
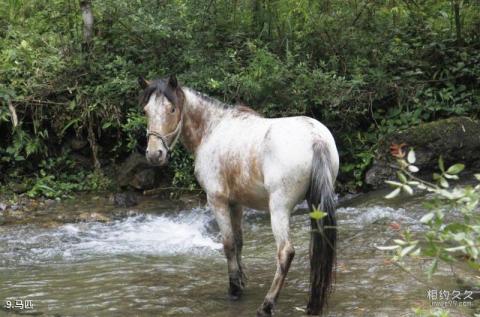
pixel 163 138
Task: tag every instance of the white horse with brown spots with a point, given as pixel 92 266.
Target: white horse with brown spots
pixel 242 159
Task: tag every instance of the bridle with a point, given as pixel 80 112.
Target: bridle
pixel 176 133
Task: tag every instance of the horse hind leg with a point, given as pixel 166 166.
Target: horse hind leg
pixel 223 217
pixel 236 212
pixel 285 253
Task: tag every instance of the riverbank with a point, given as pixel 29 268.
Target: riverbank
pixel 86 207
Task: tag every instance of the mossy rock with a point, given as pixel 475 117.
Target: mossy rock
pixel 457 140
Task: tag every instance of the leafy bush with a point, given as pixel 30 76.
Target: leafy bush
pixel 453 219
pixel 452 222
pixel 364 69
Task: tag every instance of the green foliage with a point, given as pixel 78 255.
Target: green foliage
pixel 182 165
pixel 317 214
pixel 60 177
pixel 363 68
pixel 447 238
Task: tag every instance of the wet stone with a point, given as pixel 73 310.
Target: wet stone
pixel 19 188
pixel 124 199
pixel 92 216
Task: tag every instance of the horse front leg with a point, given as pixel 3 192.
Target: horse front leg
pixel 222 212
pixel 285 252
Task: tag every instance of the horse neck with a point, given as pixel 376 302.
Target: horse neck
pixel 201 115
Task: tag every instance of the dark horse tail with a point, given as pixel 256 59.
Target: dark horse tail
pixel 324 233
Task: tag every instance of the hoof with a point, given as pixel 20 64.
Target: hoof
pixel 265 310
pixel 234 297
pixel 236 289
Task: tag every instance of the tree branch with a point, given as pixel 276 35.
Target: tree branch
pixel 13 113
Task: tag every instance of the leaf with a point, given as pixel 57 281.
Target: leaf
pixel 396 150
pixel 454 249
pixel 394 184
pixel 400 242
pixel 441 165
pixel 413 168
pixel 407 250
pixel 407 189
pixel 411 157
pixel 421 186
pixel 450 176
pixel 74 121
pixel 106 125
pixel 416 252
pixel 426 218
pixel 432 268
pixel 443 182
pixel 317 214
pixel 393 194
pixel 455 169
pixel 402 177
pixel 387 247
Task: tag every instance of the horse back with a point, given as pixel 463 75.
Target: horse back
pixel 245 159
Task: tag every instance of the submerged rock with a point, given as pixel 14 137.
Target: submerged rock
pixel 125 199
pixel 457 140
pixel 92 216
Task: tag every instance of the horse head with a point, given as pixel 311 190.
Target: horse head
pixel 163 101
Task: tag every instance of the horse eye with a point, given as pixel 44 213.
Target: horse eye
pixel 173 110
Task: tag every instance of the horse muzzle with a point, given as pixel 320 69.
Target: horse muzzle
pixel 157 157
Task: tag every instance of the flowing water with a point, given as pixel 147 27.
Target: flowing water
pixel 162 261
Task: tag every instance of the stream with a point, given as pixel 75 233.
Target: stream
pixel 163 260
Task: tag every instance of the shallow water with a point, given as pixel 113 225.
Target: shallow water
pixel 158 262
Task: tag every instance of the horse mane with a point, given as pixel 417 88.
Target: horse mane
pixel 247 110
pixel 161 86
pixel 240 108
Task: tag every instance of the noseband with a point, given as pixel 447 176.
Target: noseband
pixel 163 138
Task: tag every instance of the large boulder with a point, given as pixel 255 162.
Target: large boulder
pixel 137 173
pixel 457 140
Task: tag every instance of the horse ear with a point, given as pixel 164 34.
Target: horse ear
pixel 172 81
pixel 143 82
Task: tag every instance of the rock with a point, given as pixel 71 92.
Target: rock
pixel 16 214
pixel 3 206
pixel 77 144
pixel 137 173
pixel 82 160
pixel 144 179
pixel 49 202
pixel 125 199
pixel 18 188
pixel 92 216
pixel 457 140
pixel 15 207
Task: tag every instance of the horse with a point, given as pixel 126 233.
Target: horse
pixel 245 160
